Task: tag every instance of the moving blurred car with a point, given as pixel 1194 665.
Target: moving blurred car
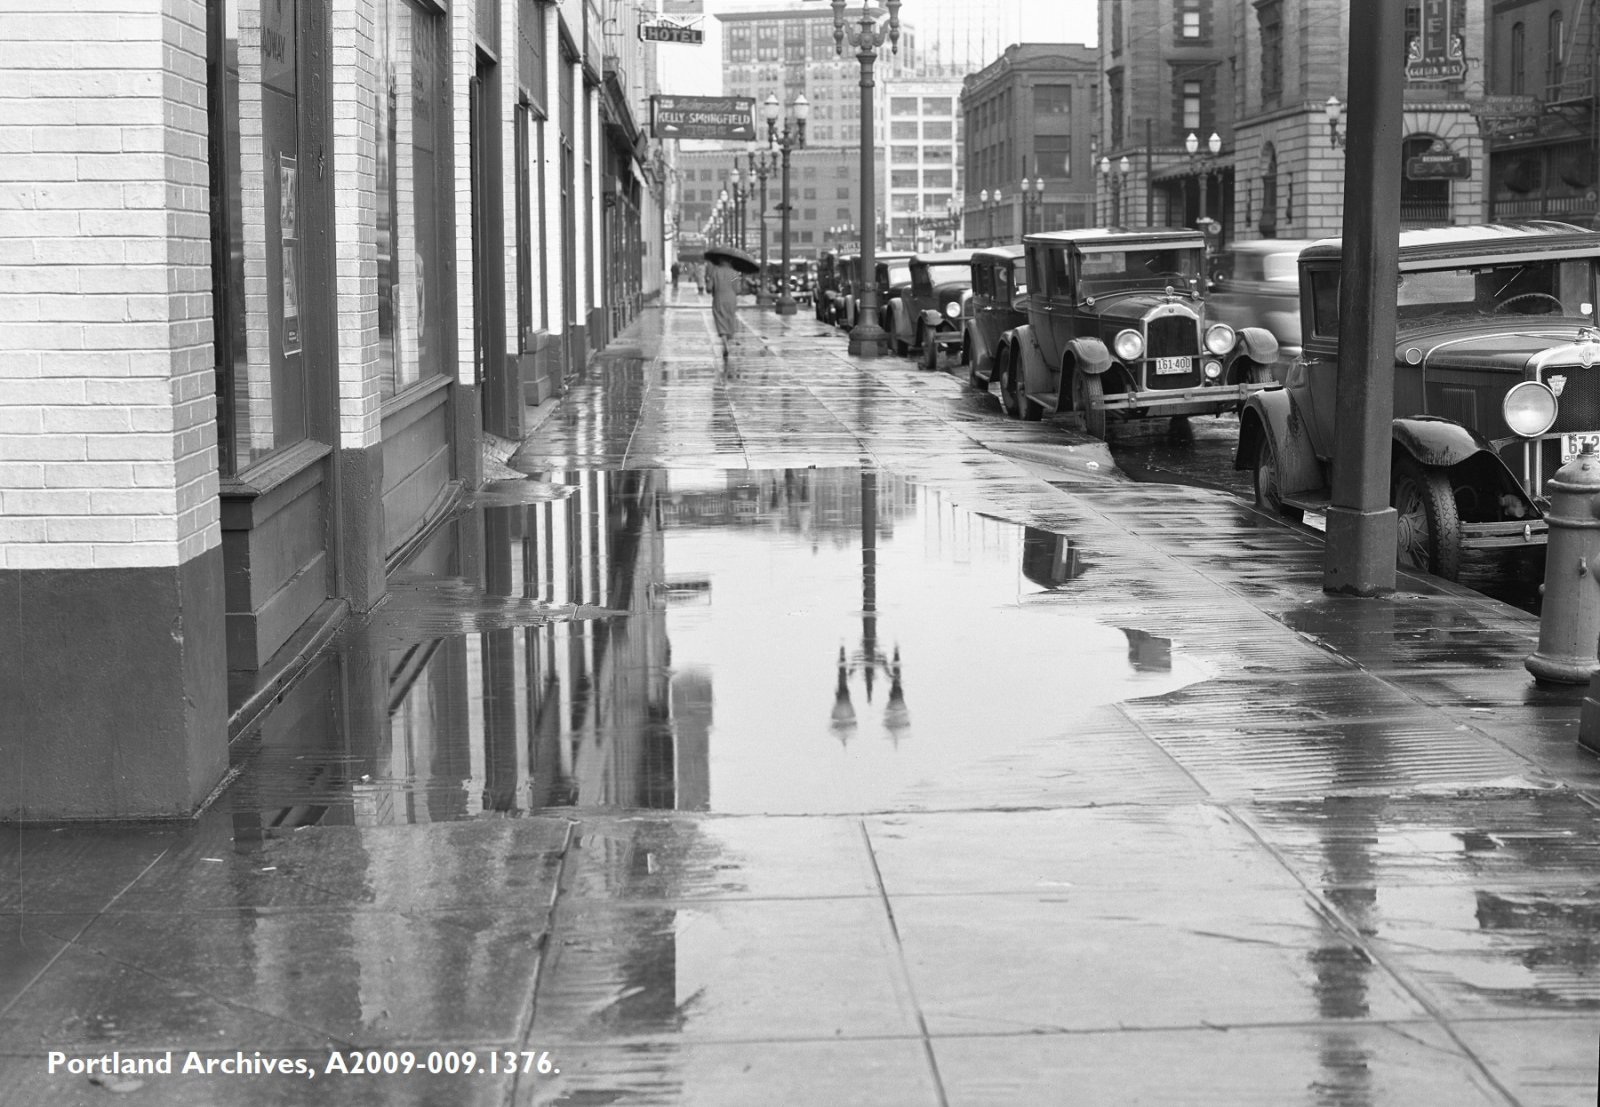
pixel 1496 385
pixel 1257 284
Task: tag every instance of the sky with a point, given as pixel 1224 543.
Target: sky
pixel 697 70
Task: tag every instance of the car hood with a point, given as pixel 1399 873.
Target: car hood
pixel 1134 305
pixel 951 290
pixel 1510 350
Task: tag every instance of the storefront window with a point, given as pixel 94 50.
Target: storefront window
pixel 410 275
pixel 257 228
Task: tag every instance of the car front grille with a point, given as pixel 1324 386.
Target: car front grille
pixel 1172 336
pixel 1579 406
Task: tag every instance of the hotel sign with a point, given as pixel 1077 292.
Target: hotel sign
pixel 1438 53
pixel 671 32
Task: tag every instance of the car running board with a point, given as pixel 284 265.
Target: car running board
pixel 1046 400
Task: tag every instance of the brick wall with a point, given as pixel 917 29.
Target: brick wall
pixel 107 413
pixel 355 92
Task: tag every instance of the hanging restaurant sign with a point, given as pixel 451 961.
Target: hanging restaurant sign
pixel 724 117
pixel 1434 167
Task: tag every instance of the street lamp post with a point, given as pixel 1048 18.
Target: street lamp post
pixel 867 338
pixel 785 142
pixel 1202 166
pixel 990 201
pixel 1116 181
pixel 1032 197
pixel 760 167
pixel 738 207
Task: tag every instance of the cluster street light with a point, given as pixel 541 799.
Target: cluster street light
pixel 989 204
pixel 1116 180
pixel 1201 164
pixel 760 166
pixel 867 338
pixel 1334 111
pixel 1032 197
pixel 785 142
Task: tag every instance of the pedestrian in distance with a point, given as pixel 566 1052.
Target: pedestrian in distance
pixel 676 270
pixel 724 281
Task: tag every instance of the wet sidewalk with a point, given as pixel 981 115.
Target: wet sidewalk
pixel 799 730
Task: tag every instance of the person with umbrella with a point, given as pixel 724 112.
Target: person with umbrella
pixel 725 263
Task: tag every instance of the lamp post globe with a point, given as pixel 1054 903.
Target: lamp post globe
pixel 793 136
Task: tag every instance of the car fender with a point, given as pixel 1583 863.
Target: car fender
pixel 893 315
pixel 1441 443
pixel 972 339
pixel 1036 375
pixel 1271 415
pixel 1089 355
pixel 1256 343
pixel 931 318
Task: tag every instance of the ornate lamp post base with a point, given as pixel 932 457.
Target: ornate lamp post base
pixel 867 339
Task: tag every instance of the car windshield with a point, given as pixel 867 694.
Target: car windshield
pixel 1547 287
pixel 900 272
pixel 1106 271
pixel 939 274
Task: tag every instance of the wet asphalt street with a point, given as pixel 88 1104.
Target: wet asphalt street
pixel 800 731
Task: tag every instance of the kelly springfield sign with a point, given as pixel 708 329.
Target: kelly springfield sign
pixel 1437 53
pixel 724 117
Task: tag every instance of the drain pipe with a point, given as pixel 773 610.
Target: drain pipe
pixel 1569 615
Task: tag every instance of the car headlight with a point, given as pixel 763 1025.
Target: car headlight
pixel 952 309
pixel 1530 409
pixel 1128 345
pixel 1212 369
pixel 1219 338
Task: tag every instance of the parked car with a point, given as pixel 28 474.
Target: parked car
pixel 801 280
pixel 845 280
pixel 825 285
pixel 893 278
pixel 931 303
pixel 1257 284
pixel 999 304
pixel 1495 387
pixel 1117 326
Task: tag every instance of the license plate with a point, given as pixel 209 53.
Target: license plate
pixel 1168 365
pixel 1572 444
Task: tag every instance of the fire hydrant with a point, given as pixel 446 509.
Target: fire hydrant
pixel 1569 617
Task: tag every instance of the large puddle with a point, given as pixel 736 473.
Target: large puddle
pixel 805 640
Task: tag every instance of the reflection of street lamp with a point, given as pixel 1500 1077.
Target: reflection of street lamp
pixel 1201 165
pixel 1334 111
pixel 760 165
pixel 983 198
pixel 867 338
pixel 869 659
pixel 1032 197
pixel 1116 181
pixel 785 142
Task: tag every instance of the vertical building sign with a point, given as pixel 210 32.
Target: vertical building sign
pixel 289 237
pixel 1438 52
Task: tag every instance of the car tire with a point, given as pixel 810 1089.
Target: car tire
pixel 1010 392
pixel 1089 399
pixel 1258 374
pixel 981 383
pixel 1268 481
pixel 1427 524
pixel 900 348
pixel 930 350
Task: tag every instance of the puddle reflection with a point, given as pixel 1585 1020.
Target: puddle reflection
pixel 803 640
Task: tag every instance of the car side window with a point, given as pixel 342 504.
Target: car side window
pixel 1058 276
pixel 1021 273
pixel 1325 302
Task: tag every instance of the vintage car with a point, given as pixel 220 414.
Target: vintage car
pixel 825 285
pixel 1257 284
pixel 931 303
pixel 1117 326
pixel 837 310
pixel 893 279
pixel 1496 385
pixel 999 304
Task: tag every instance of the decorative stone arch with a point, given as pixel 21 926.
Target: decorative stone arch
pixel 1434 202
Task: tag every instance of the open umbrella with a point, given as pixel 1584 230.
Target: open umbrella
pixel 742 261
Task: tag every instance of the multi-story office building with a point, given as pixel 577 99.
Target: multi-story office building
pixel 824 189
pixel 1030 114
pixel 922 197
pixel 1262 75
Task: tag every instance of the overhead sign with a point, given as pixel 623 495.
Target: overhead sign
pixel 722 117
pixel 1434 167
pixel 1439 51
pixel 670 32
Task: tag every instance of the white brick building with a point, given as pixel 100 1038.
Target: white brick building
pixel 265 272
